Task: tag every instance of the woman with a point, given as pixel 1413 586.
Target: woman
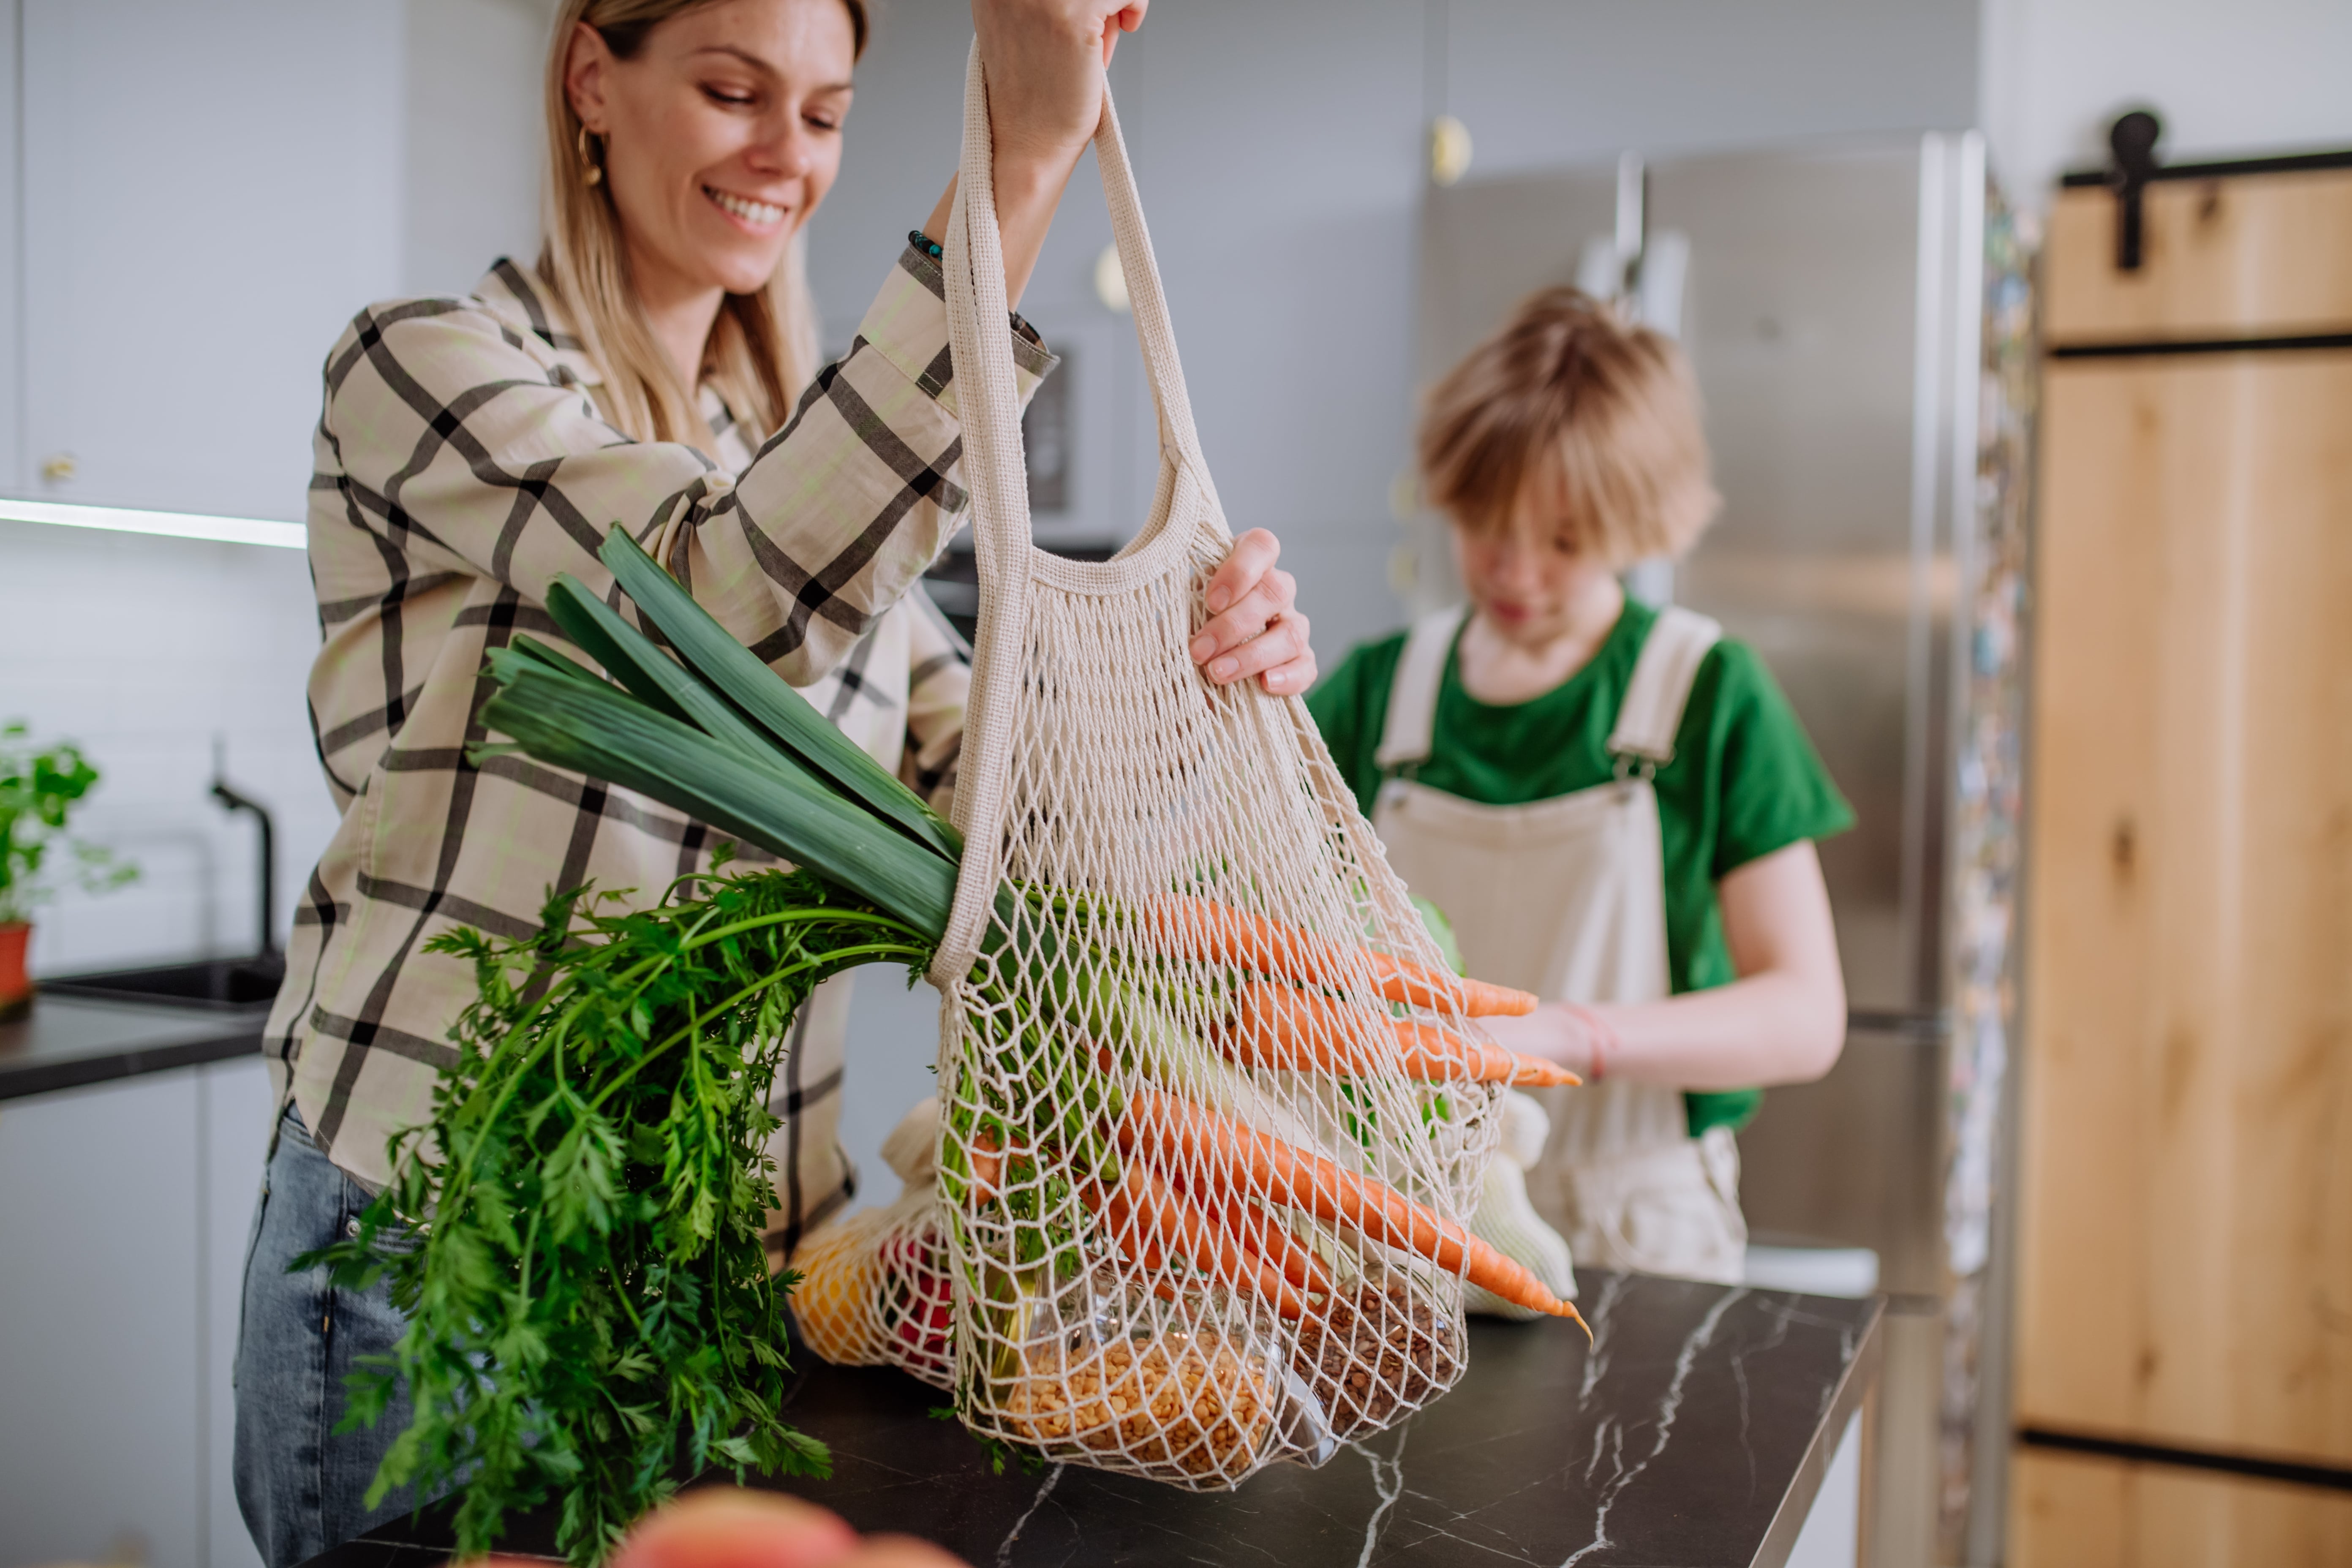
pixel 471 449
pixel 1614 804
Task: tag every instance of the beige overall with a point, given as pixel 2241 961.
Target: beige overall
pixel 1566 898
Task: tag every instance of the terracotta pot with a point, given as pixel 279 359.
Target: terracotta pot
pixel 15 986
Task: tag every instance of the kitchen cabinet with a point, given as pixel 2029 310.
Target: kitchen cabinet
pixel 2079 1511
pixel 124 1212
pixel 208 190
pixel 2186 1228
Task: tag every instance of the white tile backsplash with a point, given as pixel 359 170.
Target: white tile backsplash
pixel 145 651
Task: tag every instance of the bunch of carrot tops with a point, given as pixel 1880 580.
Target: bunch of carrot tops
pixel 575 1233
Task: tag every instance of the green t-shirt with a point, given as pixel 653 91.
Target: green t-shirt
pixel 1745 779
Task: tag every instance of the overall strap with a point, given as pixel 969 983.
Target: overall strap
pixel 1653 708
pixel 1411 722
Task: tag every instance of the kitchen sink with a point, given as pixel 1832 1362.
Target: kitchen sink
pixel 238 985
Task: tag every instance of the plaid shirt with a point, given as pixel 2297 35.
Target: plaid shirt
pixel 462 462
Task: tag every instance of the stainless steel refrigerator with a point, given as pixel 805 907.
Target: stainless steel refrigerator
pixel 1857 315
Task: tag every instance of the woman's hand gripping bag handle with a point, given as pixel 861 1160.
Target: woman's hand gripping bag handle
pixel 1214 1112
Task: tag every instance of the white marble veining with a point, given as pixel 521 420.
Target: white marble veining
pixel 1012 1537
pixel 1388 1484
pixel 1669 1406
pixel 1596 1362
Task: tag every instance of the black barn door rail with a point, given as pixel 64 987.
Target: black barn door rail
pixel 2329 1477
pixel 2146 348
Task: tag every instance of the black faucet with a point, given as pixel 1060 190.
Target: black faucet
pixel 235 802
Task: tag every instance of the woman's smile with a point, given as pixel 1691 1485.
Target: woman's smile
pixel 753 215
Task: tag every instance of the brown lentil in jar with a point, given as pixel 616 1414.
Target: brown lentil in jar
pixel 1373 1353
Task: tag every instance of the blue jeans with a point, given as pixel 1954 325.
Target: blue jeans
pixel 300 1486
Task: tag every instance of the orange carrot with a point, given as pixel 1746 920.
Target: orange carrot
pixel 1116 1213
pixel 1259 1231
pixel 1178 1129
pixel 1279 1246
pixel 1402 980
pixel 1150 1218
pixel 1438 1055
pixel 987 1162
pixel 1281 1027
pixel 1210 932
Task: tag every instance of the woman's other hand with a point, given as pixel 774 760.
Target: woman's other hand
pixel 1253 626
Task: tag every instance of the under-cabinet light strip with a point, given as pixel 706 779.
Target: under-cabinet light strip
pixel 174 524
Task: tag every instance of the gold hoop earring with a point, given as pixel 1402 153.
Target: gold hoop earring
pixel 591 170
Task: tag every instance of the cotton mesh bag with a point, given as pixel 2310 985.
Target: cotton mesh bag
pixel 1212 1113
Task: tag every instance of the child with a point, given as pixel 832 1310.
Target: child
pixel 1614 804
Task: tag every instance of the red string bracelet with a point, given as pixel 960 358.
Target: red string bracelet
pixel 1598 1032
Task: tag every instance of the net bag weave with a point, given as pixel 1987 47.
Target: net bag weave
pixel 1187 1174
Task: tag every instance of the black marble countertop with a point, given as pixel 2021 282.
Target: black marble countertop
pixel 1695 1433
pixel 68 1041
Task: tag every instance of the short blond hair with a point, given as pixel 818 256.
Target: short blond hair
pixel 1602 412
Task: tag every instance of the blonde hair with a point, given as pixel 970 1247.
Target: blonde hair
pixel 1602 413
pixel 763 348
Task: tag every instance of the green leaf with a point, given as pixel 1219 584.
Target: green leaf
pixel 656 678
pixel 766 699
pixel 610 735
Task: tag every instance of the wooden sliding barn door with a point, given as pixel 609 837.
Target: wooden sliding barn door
pixel 2184 1342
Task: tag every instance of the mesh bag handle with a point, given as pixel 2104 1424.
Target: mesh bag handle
pixel 989 400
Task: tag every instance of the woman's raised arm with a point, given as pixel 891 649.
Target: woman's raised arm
pixel 457 439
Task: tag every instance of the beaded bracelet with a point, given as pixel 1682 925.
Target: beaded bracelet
pixel 938 252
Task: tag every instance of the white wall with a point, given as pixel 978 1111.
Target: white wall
pixel 2250 77
pixel 1539 82
pixel 327 155
pixel 207 191
pixel 473 135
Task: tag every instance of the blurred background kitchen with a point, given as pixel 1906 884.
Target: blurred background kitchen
pixel 2039 502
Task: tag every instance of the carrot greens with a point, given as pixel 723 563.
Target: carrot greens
pixel 576 1234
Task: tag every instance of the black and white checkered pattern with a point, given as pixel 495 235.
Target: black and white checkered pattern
pixel 462 462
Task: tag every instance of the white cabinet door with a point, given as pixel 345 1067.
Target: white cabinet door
pixel 211 189
pixel 124 1213
pixel 100 1343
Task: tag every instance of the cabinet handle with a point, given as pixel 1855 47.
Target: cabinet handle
pixel 57 468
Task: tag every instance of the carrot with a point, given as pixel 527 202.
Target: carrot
pixel 1116 1212
pixel 1260 1231
pixel 1416 985
pixel 987 1162
pixel 1436 1053
pixel 1148 1217
pixel 1282 1026
pixel 1275 1241
pixel 1210 932
pixel 1282 1172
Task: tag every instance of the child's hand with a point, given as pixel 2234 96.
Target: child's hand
pixel 1575 1037
pixel 1255 627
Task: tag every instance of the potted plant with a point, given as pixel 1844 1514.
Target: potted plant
pixel 38 791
